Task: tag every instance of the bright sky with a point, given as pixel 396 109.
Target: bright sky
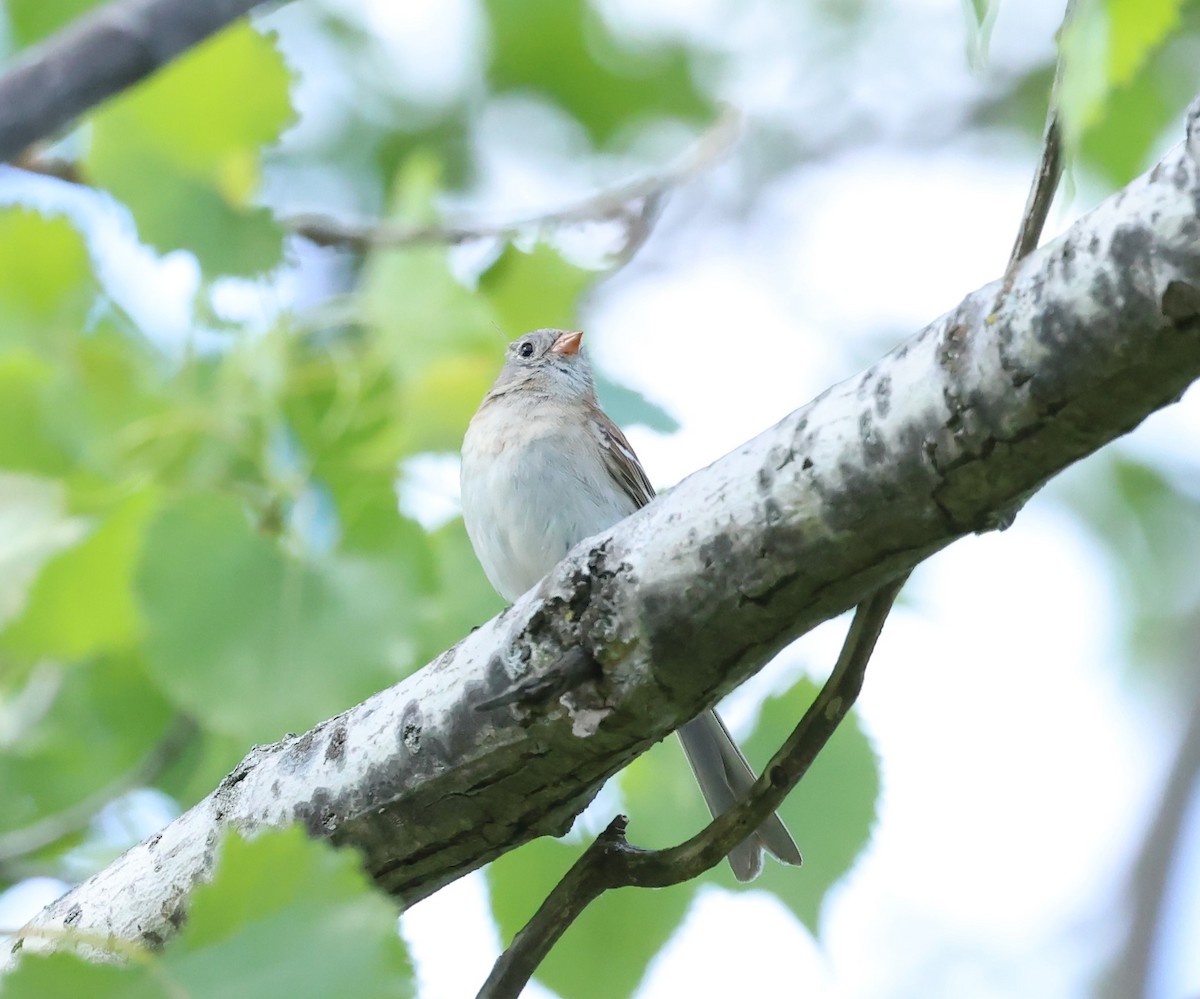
pixel 1017 766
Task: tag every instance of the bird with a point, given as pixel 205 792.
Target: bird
pixel 543 467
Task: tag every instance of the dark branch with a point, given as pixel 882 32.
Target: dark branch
pixel 1041 192
pixel 97 56
pixel 1045 180
pixel 612 862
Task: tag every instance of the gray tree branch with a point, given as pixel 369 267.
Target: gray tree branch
pixel 672 608
pixel 97 56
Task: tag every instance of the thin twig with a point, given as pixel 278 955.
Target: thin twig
pixel 28 839
pixel 1046 179
pixel 98 55
pixel 1041 191
pixel 611 862
pixel 635 204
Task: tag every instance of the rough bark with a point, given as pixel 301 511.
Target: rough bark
pixel 645 625
pixel 97 56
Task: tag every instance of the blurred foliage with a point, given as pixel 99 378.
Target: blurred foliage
pixel 181 151
pixel 206 537
pixel 32 20
pixel 1104 44
pixel 564 51
pixel 283 917
pixel 1116 119
pixel 1149 524
pixel 605 952
pixel 981 17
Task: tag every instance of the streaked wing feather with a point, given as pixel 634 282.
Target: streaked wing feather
pixel 622 461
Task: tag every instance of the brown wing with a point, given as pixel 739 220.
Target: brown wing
pixel 621 460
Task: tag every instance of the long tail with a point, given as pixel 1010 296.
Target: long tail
pixel 724 776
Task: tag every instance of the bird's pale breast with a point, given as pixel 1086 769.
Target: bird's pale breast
pixel 528 503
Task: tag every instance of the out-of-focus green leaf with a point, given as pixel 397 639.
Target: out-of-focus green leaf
pixel 285 917
pixel 981 17
pixel 534 290
pixel 62 974
pixel 255 642
pixel 105 718
pixel 830 812
pixel 661 798
pixel 1138 28
pixel 290 917
pixel 1118 142
pixel 82 602
pixel 605 952
pixel 460 599
pixel 182 150
pixel 1103 45
pixel 46 285
pixel 1151 529
pixel 434 333
pixel 1121 143
pixel 27 441
pixel 33 20
pixel 34 526
pixel 563 50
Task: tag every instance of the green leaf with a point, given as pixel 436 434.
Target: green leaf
pixel 105 718
pixel 46 976
pixel 26 416
pixel 434 334
pixel 605 952
pixel 1138 27
pixel 1102 46
pixel 285 917
pixel 981 17
pixel 831 811
pixel 182 150
pixel 561 49
pixel 255 642
pixel 460 598
pixel 290 917
pixel 34 526
pixel 1120 139
pixel 33 20
pixel 83 602
pixel 46 283
pixel 534 290
pixel 1150 527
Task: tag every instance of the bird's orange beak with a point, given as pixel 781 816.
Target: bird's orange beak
pixel 568 343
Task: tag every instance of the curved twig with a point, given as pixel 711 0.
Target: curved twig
pixel 1045 180
pixel 635 204
pixel 612 862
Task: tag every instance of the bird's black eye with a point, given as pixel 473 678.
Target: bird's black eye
pixel 526 349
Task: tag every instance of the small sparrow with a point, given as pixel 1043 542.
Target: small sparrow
pixel 543 468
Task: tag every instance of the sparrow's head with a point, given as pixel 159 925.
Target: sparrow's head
pixel 548 361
